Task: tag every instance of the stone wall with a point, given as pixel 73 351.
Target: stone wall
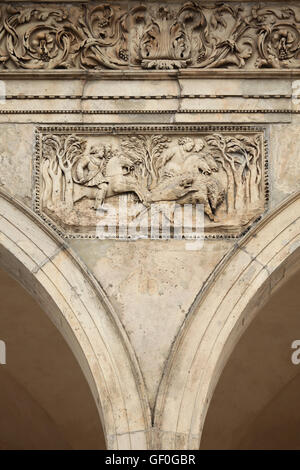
pixel 158 107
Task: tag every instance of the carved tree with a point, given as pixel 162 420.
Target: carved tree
pixel 147 151
pixel 224 171
pixel 67 150
pixel 239 157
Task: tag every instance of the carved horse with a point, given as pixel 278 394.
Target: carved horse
pixel 119 178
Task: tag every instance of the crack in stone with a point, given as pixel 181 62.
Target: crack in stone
pixel 50 258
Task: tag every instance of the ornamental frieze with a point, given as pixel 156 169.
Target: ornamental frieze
pixel 149 35
pixel 87 175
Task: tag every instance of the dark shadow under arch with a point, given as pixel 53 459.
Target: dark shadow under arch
pixel 45 401
pixel 222 311
pixel 77 305
pixel 255 404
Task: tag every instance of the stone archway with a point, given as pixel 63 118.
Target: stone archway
pixel 45 401
pixel 76 304
pixel 222 311
pixel 255 404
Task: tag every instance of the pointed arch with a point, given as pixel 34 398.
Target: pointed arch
pixel 223 309
pixel 35 256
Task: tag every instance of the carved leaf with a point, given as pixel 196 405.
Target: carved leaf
pixel 150 36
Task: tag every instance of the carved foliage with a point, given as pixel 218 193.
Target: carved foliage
pixel 149 35
pixel 223 171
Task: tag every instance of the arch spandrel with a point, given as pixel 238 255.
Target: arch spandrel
pixel 123 105
pixel 68 293
pixel 240 284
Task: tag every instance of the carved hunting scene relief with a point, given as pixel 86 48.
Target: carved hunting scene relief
pixel 149 35
pixel 81 176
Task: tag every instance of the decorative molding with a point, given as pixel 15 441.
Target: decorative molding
pixel 139 74
pixel 141 97
pixel 150 111
pixel 79 169
pixel 136 36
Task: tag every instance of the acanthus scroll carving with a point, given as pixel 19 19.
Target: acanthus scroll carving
pixel 224 171
pixel 152 35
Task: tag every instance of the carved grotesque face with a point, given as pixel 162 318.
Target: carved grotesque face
pixel 247 52
pixel 99 28
pixel 101 21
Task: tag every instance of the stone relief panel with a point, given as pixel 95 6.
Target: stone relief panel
pixel 149 35
pixel 120 177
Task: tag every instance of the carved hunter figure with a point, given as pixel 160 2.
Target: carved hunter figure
pixel 113 178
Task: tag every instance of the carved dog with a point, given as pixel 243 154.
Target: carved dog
pixel 171 188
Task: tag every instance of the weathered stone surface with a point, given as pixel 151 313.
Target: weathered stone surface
pixel 150 113
pixel 161 172
pixel 134 36
pixel 17 144
pixel 165 278
pixel 285 164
